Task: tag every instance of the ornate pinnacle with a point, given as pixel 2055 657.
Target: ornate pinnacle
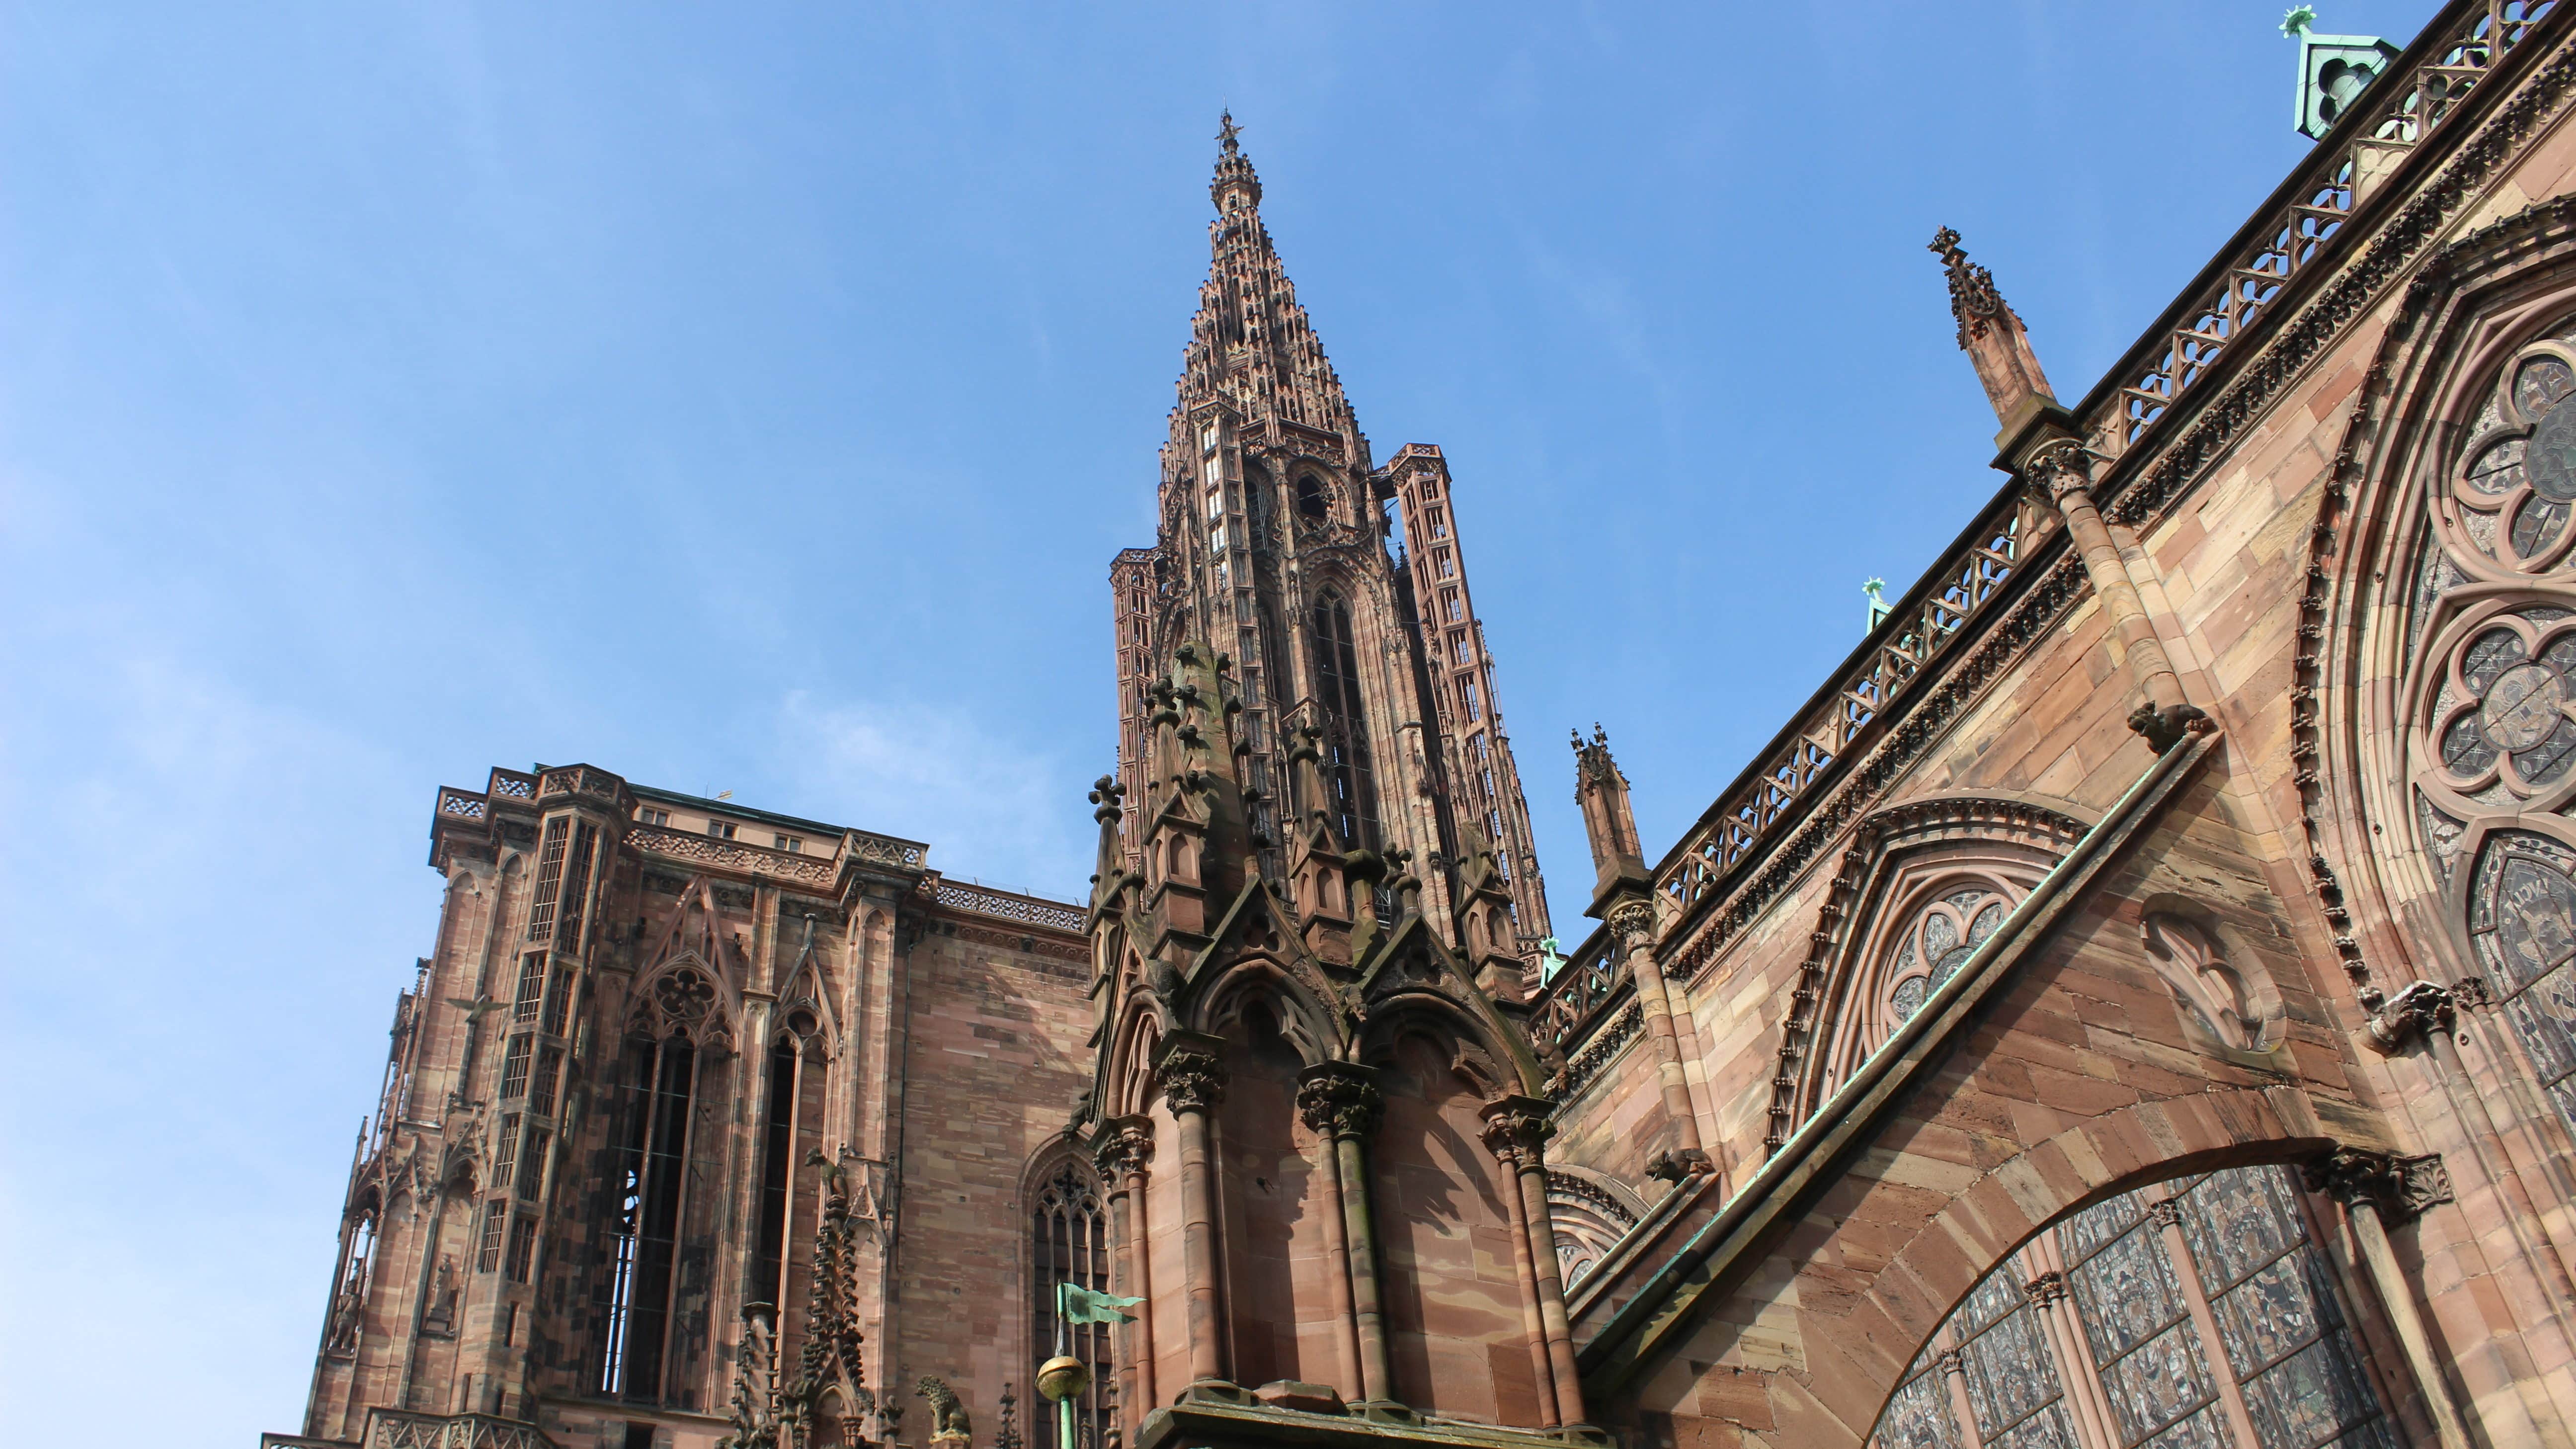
pixel 1973 298
pixel 1227 130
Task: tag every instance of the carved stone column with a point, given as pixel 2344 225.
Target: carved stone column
pixel 1954 1377
pixel 2085 1399
pixel 1344 1098
pixel 1524 1123
pixel 2062 471
pixel 1504 1137
pixel 1192 1076
pixel 2376 1189
pixel 1323 1091
pixel 1632 922
pixel 1124 1146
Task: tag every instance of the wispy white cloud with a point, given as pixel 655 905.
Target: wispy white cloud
pixel 990 807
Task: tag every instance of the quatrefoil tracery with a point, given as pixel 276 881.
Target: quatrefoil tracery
pixel 2512 499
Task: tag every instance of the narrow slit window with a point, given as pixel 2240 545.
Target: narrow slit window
pixel 576 887
pixel 532 1170
pixel 550 859
pixel 496 1217
pixel 651 1180
pixel 505 1152
pixel 523 1248
pixel 1349 775
pixel 532 981
pixel 514 1069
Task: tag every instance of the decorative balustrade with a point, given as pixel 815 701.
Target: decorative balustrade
pixel 512 784
pixel 2405 107
pixel 399 1429
pixel 1008 906
pixel 1570 1001
pixel 1922 628
pixel 461 803
pixel 812 870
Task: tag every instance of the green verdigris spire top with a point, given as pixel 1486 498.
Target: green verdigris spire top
pixel 2333 70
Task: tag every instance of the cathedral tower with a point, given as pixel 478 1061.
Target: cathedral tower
pixel 1279 547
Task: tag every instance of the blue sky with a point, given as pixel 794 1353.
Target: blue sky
pixel 751 398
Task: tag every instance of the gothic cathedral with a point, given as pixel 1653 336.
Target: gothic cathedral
pixel 2131 1003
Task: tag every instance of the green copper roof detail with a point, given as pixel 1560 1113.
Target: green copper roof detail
pixel 2333 71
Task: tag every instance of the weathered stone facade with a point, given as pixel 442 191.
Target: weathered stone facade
pixel 2133 1004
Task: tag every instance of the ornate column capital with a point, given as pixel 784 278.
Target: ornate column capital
pixel 1123 1145
pixel 2059 467
pixel 1191 1071
pixel 2166 1213
pixel 2419 1010
pixel 2472 993
pixel 1340 1099
pixel 2399 1189
pixel 1517 1129
pixel 1632 921
pixel 2045 1289
pixel 1950 1362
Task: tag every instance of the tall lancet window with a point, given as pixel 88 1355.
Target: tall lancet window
pixel 648 1182
pixel 1349 779
pixel 1070 1244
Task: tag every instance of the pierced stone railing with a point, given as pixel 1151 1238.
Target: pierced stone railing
pixel 813 870
pixel 2403 107
pixel 399 1429
pixel 1008 906
pixel 1566 1007
pixel 462 803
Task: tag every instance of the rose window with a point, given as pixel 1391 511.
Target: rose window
pixel 1940 940
pixel 2506 709
pixel 2514 495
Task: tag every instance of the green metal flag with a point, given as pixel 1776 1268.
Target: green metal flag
pixel 1082 1305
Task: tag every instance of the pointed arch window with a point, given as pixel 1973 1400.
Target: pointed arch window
pixel 1069 1243
pixel 650 1188
pixel 1349 777
pixel 797 1073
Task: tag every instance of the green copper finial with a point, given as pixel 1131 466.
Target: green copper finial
pixel 2333 70
pixel 1879 608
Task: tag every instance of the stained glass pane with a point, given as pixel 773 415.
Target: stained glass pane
pixel 2238 1221
pixel 2090 1230
pixel 1993 1297
pixel 2050 1428
pixel 1907 999
pixel 2127 1293
pixel 2010 1372
pixel 2165 1379
pixel 1985 923
pixel 2539 384
pixel 2204 1430
pixel 1940 935
pixel 2311 1397
pixel 2276 1312
pixel 2490 654
pixel 1919 1417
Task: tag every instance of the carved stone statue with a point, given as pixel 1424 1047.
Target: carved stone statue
pixel 948 1422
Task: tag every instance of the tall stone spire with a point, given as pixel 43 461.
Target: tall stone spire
pixel 1251 343
pixel 1275 550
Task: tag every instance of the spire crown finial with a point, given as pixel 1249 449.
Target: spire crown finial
pixel 1233 168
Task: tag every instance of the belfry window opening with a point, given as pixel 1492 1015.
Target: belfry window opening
pixel 1350 780
pixel 650 1178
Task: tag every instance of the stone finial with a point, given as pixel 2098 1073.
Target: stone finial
pixel 1991 333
